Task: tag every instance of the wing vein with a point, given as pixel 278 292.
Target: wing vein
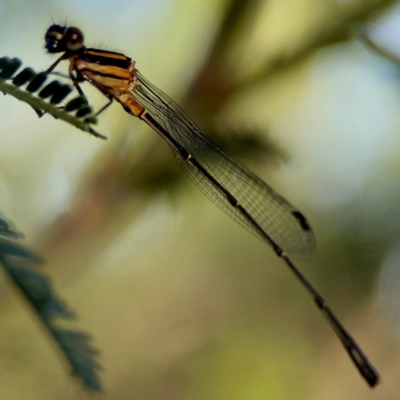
pixel 280 221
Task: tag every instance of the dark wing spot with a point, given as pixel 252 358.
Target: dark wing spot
pixel 302 219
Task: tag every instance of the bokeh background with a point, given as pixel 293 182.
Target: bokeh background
pixel 183 302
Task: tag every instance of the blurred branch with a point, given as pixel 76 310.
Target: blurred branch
pixel 238 11
pixel 211 90
pixel 38 292
pixel 337 29
pixel 368 42
pixel 55 90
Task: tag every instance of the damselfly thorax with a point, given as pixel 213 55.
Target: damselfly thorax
pixel 111 73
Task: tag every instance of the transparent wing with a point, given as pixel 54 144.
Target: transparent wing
pixel 282 222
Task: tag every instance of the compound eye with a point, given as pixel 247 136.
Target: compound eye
pixel 73 39
pixel 55 32
pixel 54 39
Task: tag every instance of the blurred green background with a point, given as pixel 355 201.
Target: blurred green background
pixel 183 302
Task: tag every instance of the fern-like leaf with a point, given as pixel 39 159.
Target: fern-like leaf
pixel 18 263
pixel 24 84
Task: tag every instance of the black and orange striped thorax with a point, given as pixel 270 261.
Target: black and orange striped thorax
pixel 112 73
pixel 105 58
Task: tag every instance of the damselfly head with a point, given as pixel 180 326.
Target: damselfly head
pixel 61 38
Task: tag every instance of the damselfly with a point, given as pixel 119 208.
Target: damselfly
pixel 230 185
